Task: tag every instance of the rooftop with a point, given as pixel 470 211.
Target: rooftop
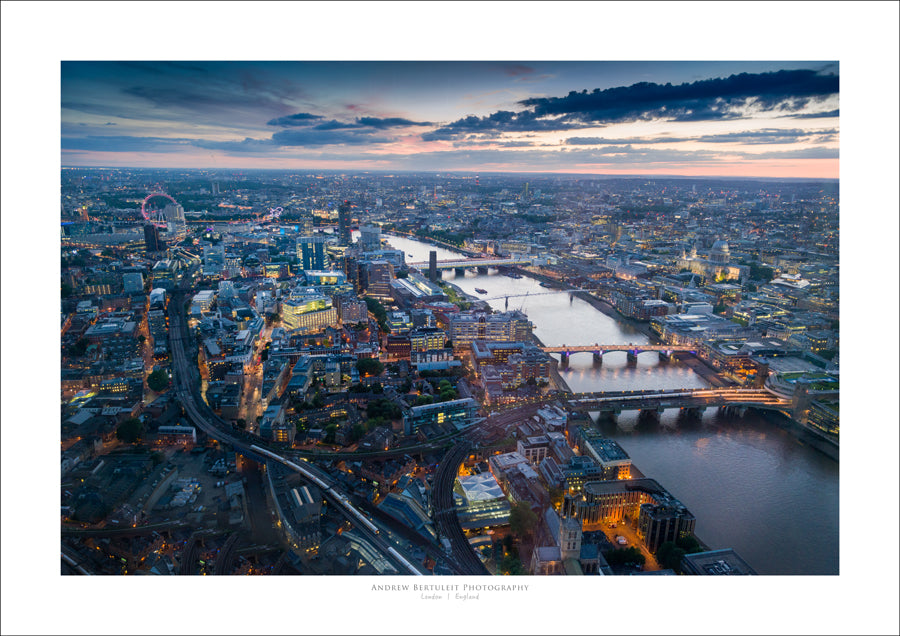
pixel 481 487
pixel 716 563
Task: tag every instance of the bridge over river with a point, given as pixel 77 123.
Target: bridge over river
pixel 665 351
pixel 478 263
pixel 694 400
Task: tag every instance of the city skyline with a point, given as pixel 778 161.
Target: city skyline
pixel 748 119
pixel 862 38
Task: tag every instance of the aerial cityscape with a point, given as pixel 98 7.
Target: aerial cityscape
pixel 468 354
pixel 524 296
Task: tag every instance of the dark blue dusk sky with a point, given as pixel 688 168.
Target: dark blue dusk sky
pixel 693 118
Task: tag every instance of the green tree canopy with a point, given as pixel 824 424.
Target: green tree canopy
pixel 383 408
pixel 556 496
pixel 359 429
pixel 758 271
pixel 669 556
pixel 158 380
pixel 369 367
pixel 79 348
pixel 522 519
pixel 512 565
pixel 130 430
pixel 689 544
pixel 378 311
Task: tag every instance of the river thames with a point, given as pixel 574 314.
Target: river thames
pixel 751 485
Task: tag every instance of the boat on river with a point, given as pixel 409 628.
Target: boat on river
pixel 480 290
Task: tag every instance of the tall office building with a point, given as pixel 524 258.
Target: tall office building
pixel 152 242
pixel 379 275
pixel 311 252
pixel 344 224
pixel 351 271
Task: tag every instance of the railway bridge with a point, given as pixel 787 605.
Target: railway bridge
pixel 691 401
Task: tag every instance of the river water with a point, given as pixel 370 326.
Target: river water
pixel 751 485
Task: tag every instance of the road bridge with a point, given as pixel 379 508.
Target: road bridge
pixel 632 350
pixel 469 263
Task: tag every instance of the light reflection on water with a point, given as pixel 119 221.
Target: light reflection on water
pixel 752 486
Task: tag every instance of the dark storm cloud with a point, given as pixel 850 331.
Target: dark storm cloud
pixel 647 100
pixel 307 119
pixel 703 100
pixel 337 125
pixel 297 119
pixel 325 137
pixel 389 122
pixel 503 120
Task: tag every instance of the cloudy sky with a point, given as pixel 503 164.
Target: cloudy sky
pixel 687 118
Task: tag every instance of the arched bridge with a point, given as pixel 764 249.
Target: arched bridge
pixel 665 350
pixel 475 262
